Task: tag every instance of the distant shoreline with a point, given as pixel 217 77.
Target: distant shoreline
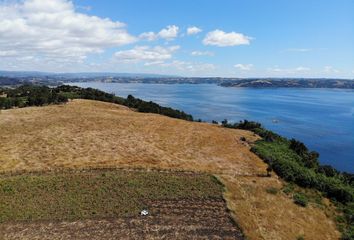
pixel 55 80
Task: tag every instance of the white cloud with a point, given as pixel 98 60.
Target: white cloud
pixel 244 67
pixel 150 55
pixel 149 36
pixel 49 30
pixel 299 69
pixel 200 53
pixel 330 69
pixel 222 39
pixel 193 30
pixel 169 33
pixel 302 69
pixel 153 63
pixel 190 66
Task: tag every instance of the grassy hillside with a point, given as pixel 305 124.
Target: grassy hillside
pixel 94 134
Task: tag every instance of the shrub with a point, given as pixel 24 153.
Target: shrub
pixel 327 170
pixel 272 190
pixel 298 147
pixel 248 125
pixel 300 199
pixel 288 188
pixel 301 237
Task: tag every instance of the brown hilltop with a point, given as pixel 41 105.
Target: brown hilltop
pixel 86 133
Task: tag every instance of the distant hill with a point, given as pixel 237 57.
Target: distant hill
pixel 9 81
pixel 291 83
pixel 26 74
pixel 45 78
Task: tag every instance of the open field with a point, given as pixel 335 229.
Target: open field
pixel 88 133
pixel 96 193
pixel 107 203
pixel 85 134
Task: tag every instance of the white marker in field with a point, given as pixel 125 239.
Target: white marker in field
pixel 144 213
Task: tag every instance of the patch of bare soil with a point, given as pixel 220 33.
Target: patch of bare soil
pixel 167 219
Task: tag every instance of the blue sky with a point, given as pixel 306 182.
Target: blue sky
pixel 227 38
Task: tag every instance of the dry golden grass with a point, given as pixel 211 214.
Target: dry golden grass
pixel 94 134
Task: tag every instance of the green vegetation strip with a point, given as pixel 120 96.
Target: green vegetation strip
pixel 293 162
pixel 96 194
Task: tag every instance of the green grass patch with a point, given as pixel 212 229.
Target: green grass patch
pixel 96 194
pixel 280 150
pixel 300 199
pixel 272 190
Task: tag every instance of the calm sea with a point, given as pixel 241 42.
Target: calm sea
pixel 321 118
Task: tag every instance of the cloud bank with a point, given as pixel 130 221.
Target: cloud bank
pixel 54 29
pixel 147 54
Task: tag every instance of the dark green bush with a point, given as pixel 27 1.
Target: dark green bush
pixel 300 199
pixel 327 170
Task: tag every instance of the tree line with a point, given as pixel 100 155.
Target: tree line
pixel 29 95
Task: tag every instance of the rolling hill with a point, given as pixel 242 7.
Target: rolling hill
pixel 87 134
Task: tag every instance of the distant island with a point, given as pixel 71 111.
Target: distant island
pixel 56 79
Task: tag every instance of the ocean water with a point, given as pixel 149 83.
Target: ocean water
pixel 321 118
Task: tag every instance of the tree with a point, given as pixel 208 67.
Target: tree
pixel 327 170
pixel 298 147
pixel 224 122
